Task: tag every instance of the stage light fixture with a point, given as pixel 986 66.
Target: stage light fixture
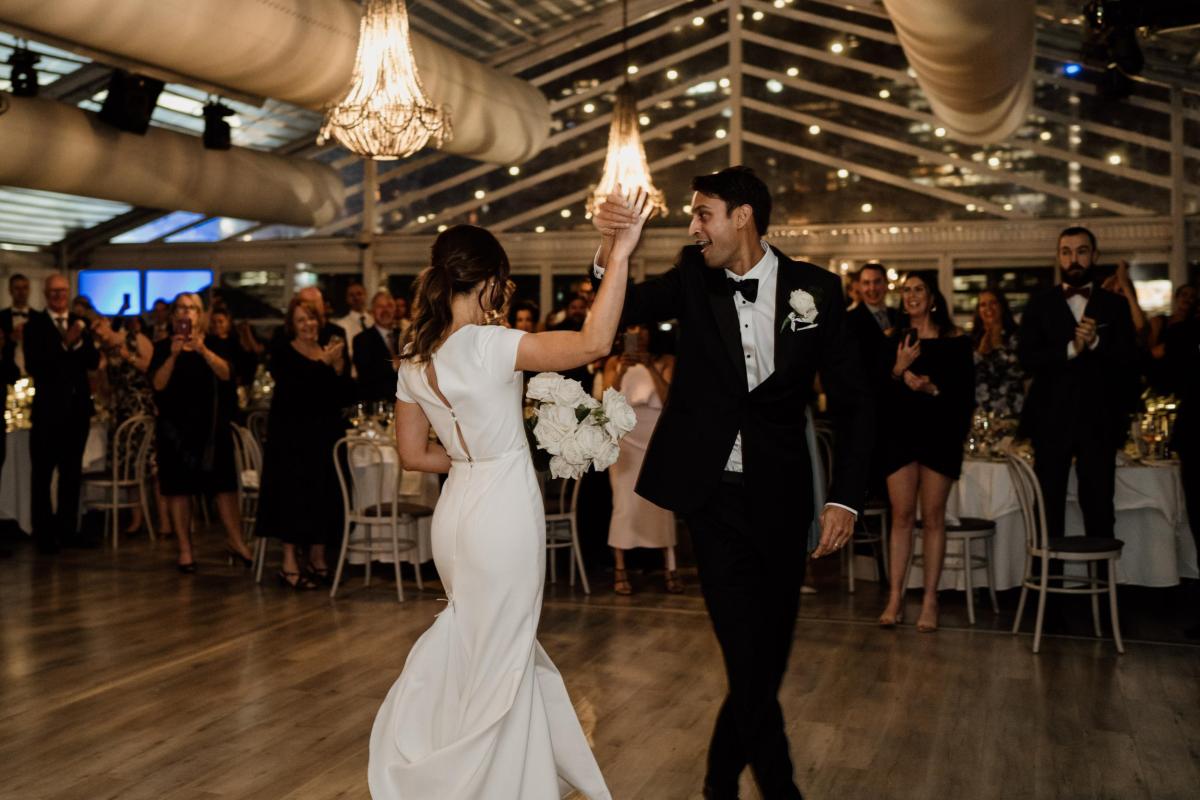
pixel 130 101
pixel 23 76
pixel 217 134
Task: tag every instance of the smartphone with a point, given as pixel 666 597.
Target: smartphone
pixel 632 343
pixel 184 327
pixel 909 336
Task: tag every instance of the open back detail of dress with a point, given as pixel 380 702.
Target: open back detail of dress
pixel 480 712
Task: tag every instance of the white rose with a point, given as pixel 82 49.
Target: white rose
pixel 572 452
pixel 621 419
pixel 803 304
pixel 541 386
pixel 592 439
pixel 554 426
pixel 606 457
pixel 568 393
pixel 561 468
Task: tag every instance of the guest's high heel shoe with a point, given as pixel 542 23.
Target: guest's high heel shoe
pixel 891 620
pixel 235 557
pixel 187 569
pixel 621 584
pixel 925 624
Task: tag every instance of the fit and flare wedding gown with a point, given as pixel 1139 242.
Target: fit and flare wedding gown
pixel 480 712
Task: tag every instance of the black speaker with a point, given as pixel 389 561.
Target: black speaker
pixel 130 101
pixel 217 134
pixel 23 76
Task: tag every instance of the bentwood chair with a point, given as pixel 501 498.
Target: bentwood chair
pixel 248 461
pixel 562 529
pixel 129 473
pixel 862 534
pixel 966 532
pixel 1043 548
pixel 371 501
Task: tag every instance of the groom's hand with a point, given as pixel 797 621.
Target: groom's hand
pixel 837 526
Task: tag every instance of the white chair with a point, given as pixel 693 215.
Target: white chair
pixel 1071 549
pixel 129 472
pixel 370 502
pixel 862 535
pixel 562 530
pixel 248 462
pixel 965 532
pixel 256 422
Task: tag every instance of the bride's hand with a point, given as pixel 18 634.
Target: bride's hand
pixel 625 240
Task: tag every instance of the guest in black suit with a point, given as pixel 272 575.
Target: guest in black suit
pixel 58 354
pixel 929 399
pixel 1076 341
pixel 872 322
pixel 375 351
pixel 1183 359
pixel 13 319
pixel 730 454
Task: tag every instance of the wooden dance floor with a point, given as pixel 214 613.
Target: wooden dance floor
pixel 123 679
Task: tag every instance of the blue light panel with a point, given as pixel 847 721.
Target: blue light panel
pixel 164 284
pixel 106 289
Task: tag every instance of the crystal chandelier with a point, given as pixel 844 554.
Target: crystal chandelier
pixel 385 114
pixel 625 163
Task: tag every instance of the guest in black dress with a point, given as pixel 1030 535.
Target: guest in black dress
pixel 925 418
pixel 244 362
pixel 194 391
pixel 300 501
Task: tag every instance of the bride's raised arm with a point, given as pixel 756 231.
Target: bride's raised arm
pixel 560 350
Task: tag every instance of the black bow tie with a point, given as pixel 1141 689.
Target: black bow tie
pixel 748 288
pixel 20 313
pixel 1083 291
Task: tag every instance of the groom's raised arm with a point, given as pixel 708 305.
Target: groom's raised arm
pixel 653 300
pixel 851 403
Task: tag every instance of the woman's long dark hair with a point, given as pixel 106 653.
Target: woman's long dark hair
pixel 1008 323
pixel 463 256
pixel 939 313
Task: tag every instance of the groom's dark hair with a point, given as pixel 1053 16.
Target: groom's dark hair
pixel 738 186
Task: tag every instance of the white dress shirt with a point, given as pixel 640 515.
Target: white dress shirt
pixel 756 325
pixel 1077 304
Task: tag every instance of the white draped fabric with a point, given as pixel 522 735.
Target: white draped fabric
pixel 973 60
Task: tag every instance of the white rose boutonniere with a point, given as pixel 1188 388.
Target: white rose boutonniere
pixel 804 311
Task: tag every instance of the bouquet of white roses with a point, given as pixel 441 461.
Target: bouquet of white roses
pixel 577 430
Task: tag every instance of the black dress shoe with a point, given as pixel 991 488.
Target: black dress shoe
pixel 46 546
pixel 82 543
pixel 711 793
pixel 1193 632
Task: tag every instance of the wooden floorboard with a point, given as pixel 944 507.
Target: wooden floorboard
pixel 123 679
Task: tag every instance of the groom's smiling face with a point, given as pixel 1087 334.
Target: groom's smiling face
pixel 717 231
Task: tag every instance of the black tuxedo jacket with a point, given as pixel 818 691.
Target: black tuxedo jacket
pixel 60 376
pixel 1091 394
pixel 373 365
pixel 874 347
pixel 1183 363
pixel 6 325
pixel 709 402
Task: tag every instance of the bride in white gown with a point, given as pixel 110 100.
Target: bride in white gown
pixel 480 712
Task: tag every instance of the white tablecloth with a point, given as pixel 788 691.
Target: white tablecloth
pixel 1151 519
pixel 16 483
pixel 421 488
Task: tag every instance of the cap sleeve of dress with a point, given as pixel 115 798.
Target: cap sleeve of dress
pixel 497 350
pixel 402 393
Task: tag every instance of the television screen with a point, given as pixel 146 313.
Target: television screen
pixel 164 284
pixel 108 288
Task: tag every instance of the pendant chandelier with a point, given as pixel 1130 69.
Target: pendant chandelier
pixel 625 163
pixel 385 113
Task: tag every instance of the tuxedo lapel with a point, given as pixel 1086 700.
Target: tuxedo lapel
pixel 1063 309
pixel 726 319
pixel 785 338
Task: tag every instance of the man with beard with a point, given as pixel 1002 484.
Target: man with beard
pixel 1076 341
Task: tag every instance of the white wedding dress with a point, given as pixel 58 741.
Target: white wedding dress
pixel 480 712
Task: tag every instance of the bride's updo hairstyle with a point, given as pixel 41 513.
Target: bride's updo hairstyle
pixel 463 257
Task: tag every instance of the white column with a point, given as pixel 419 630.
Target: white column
pixel 735 82
pixel 366 236
pixel 1177 268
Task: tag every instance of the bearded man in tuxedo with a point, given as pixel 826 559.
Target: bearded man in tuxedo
pixel 730 455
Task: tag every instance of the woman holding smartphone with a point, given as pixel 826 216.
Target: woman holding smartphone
pixel 925 418
pixel 196 399
pixel 645 377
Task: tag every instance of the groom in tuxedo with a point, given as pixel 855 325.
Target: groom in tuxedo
pixel 729 452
